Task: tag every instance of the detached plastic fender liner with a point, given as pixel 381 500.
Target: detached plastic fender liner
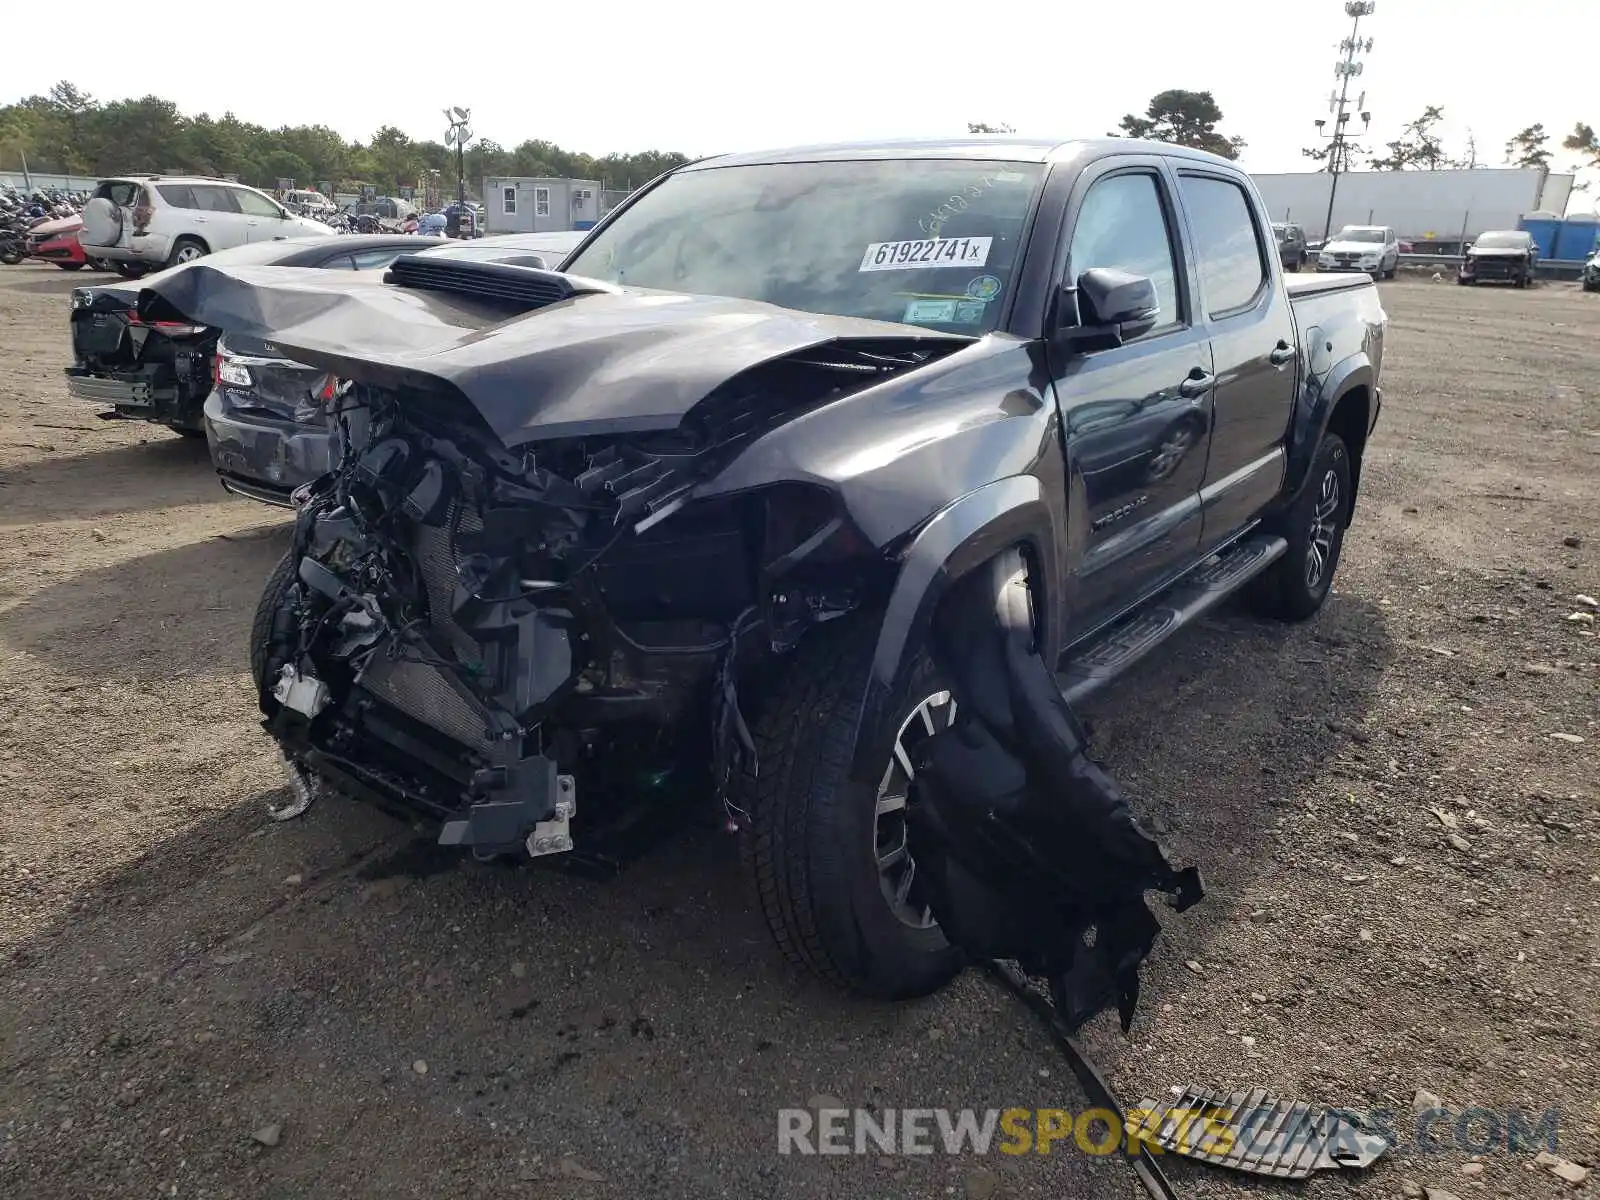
pixel 1025 842
pixel 1314 409
pixel 959 538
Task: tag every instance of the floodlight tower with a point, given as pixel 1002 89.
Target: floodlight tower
pixel 458 135
pixel 1346 69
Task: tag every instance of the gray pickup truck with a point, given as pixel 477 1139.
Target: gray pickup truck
pixel 675 522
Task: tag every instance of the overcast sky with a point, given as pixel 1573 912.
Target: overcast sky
pixel 702 76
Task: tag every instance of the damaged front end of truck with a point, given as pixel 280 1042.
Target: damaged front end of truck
pixel 510 599
pixel 578 535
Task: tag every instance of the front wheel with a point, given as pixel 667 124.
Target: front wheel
pixel 828 856
pixel 1295 586
pixel 131 270
pixel 70 266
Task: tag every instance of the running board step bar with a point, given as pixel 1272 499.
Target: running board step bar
pixel 1108 654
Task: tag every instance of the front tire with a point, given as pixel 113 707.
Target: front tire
pixel 277 587
pixel 827 855
pixel 1295 586
pixel 130 270
pixel 70 266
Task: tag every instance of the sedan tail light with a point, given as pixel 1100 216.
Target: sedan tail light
pixel 170 328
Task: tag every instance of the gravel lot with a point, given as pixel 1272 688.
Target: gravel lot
pixel 1404 863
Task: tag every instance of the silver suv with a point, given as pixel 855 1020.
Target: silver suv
pixel 140 223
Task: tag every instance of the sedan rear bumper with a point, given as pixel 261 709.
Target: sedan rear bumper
pixel 262 456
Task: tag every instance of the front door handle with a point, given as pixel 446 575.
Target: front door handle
pixel 1282 353
pixel 1198 384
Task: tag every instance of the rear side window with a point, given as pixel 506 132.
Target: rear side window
pixel 1233 265
pixel 253 205
pixel 120 192
pixel 208 198
pixel 1123 224
pixel 178 195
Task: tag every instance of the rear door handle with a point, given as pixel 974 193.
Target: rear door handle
pixel 1282 353
pixel 1197 384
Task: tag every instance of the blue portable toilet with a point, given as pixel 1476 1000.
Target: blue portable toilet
pixel 1577 239
pixel 1546 233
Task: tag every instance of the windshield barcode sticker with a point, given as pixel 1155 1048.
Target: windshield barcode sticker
pixel 922 253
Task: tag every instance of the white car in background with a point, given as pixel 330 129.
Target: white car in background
pixel 310 202
pixel 145 222
pixel 1373 249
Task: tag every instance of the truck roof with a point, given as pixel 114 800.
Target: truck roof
pixel 995 149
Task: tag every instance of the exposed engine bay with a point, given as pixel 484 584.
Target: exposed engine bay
pixel 487 635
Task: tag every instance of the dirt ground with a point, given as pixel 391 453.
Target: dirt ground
pixel 1404 863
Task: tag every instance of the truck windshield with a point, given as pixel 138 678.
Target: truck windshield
pixel 1359 235
pixel 928 242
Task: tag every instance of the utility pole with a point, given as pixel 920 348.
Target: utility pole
pixel 458 135
pixel 1346 69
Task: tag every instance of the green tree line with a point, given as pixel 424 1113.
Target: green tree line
pixel 70 132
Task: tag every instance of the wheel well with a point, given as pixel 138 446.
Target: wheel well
pixel 1350 420
pixel 189 237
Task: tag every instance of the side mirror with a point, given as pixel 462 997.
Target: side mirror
pixel 1108 307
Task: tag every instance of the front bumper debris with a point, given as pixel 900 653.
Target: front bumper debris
pixel 1252 1131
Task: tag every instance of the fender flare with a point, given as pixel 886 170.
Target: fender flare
pixel 961 537
pixel 1316 409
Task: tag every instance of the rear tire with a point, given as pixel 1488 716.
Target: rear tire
pixel 814 842
pixel 1296 586
pixel 130 270
pixel 186 250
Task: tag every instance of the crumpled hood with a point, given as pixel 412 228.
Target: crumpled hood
pixel 618 361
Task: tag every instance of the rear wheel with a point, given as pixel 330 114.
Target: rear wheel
pixel 130 270
pixel 70 266
pixel 186 250
pixel 1295 586
pixel 828 856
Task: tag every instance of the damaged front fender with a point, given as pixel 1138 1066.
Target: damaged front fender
pixel 1007 513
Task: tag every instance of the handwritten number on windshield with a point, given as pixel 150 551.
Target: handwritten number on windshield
pixel 933 223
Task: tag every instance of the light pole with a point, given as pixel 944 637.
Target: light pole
pixel 1345 70
pixel 458 135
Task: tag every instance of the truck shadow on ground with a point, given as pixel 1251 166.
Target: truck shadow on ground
pixel 174 614
pixel 332 972
pixel 166 472
pixel 1216 739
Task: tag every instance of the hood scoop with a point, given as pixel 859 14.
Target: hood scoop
pixel 518 287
